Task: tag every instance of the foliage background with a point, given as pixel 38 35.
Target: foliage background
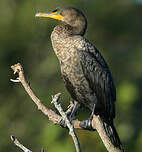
pixel 115 29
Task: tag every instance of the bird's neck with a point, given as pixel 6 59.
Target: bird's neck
pixel 64 30
pixel 67 30
pixel 62 36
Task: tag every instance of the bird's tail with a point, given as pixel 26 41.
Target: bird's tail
pixel 113 135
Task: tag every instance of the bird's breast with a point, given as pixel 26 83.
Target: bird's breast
pixel 66 48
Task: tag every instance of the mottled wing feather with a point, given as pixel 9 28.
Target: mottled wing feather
pixel 100 80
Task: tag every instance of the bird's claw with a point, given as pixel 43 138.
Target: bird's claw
pixel 71 113
pixel 63 123
pixel 87 125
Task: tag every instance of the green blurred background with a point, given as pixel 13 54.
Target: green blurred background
pixel 115 27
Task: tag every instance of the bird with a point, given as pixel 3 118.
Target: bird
pixel 85 72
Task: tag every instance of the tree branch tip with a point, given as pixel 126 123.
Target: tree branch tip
pixel 13 138
pixel 57 96
pixel 17 68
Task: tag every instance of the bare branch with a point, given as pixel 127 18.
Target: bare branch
pixel 55 118
pixel 17 68
pixel 98 125
pixel 18 144
pixel 68 123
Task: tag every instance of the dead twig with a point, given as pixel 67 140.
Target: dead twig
pixel 55 118
pixel 68 123
pixel 17 68
pixel 98 125
pixel 18 144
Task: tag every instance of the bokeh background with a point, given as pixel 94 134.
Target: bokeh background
pixel 115 27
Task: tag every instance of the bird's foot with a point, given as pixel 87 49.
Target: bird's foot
pixel 87 124
pixel 71 113
pixel 70 118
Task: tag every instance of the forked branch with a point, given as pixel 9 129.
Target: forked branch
pixel 55 118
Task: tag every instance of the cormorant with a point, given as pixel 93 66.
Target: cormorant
pixel 86 74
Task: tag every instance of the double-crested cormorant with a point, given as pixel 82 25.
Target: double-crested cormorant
pixel 84 70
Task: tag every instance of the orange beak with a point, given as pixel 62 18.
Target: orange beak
pixel 53 15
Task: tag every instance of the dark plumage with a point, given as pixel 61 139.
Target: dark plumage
pixel 84 70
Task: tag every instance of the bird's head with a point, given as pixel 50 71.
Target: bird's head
pixel 72 16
